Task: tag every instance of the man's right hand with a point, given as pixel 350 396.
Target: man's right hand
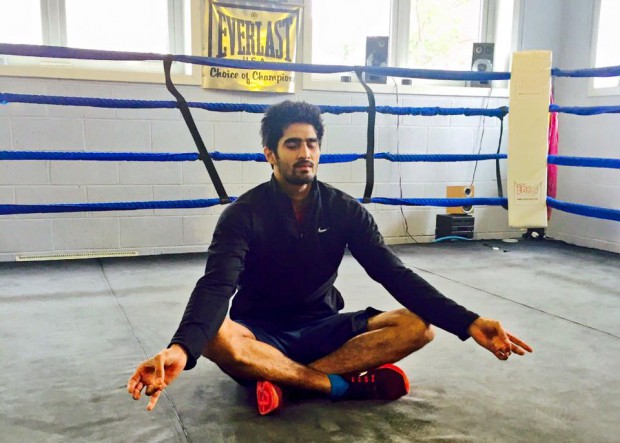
pixel 156 373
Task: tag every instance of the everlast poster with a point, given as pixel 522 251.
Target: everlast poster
pixel 255 33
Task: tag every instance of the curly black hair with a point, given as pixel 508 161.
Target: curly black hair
pixel 280 116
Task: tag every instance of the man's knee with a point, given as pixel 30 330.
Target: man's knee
pixel 224 348
pixel 414 331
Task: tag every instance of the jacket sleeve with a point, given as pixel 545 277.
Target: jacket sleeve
pixel 208 303
pixel 412 291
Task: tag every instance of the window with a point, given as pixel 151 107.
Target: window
pixel 606 36
pixel 344 43
pixel 141 27
pixel 441 36
pixel 21 22
pixel 421 34
pixel 159 26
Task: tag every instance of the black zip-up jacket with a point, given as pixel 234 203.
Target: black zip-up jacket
pixel 284 272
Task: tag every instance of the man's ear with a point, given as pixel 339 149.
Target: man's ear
pixel 269 155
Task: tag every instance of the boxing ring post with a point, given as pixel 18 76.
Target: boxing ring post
pixel 530 89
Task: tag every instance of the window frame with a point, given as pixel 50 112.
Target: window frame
pixel 399 27
pixel 603 90
pixel 53 23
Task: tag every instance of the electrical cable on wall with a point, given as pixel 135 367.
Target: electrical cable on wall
pixel 481 121
pixel 400 176
pixel 498 175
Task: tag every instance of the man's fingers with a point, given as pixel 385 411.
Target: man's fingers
pixel 152 389
pixel 133 381
pixel 137 390
pixel 517 350
pixel 519 342
pixel 491 335
pixel 150 377
pixel 159 370
pixel 500 345
pixel 501 355
pixel 505 341
pixel 153 400
pixel 504 346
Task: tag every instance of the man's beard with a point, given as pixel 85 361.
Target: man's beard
pixel 298 179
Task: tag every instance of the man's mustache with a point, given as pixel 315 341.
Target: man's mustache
pixel 303 163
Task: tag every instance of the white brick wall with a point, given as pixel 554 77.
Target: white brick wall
pixel 18 236
pixel 173 136
pixel 15 172
pixel 47 134
pixel 83 173
pixel 5 132
pixel 408 139
pixel 197 230
pixel 350 139
pixel 179 230
pixel 117 135
pixel 142 173
pixel 237 137
pixel 50 194
pixel 7 194
pixel 85 234
pixel 151 231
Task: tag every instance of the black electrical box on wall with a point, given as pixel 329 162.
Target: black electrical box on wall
pixel 460 225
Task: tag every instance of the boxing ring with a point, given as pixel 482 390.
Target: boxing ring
pixel 77 330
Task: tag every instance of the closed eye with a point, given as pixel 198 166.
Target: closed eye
pixel 295 143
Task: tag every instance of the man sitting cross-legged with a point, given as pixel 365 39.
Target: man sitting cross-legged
pixel 277 249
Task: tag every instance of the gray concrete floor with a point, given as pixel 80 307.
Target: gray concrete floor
pixel 72 333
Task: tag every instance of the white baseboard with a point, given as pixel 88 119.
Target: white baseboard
pixel 585 241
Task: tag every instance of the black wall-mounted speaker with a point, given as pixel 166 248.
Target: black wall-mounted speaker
pixel 376 55
pixel 482 61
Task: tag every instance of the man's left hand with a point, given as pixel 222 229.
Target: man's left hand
pixel 489 334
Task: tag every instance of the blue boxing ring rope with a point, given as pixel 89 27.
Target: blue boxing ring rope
pixel 500 113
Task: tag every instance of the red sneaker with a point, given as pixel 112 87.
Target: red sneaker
pixel 387 382
pixel 268 397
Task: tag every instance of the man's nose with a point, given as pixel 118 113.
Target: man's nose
pixel 304 150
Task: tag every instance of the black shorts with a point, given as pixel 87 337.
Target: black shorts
pixel 313 340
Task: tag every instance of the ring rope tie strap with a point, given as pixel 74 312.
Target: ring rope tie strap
pixel 191 125
pixel 370 139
